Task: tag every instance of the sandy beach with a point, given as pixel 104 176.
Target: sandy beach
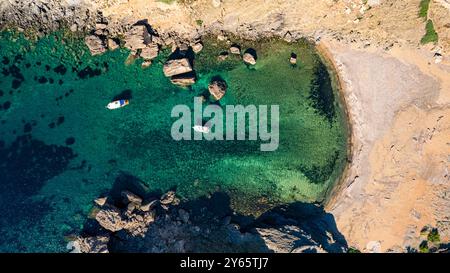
pixel 397 180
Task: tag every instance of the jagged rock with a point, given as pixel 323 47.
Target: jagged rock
pixel 197 47
pixel 185 79
pixel 176 67
pixel 95 44
pixel 217 88
pixel 285 239
pixel 147 206
pixel 130 197
pixel 249 59
pixel 110 218
pixel 131 207
pixel 112 44
pixel 96 244
pixel 150 52
pixel 235 50
pixel 101 201
pixel 137 38
pixel 137 225
pixel 167 198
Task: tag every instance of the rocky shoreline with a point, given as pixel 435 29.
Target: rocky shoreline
pixel 123 221
pixel 376 189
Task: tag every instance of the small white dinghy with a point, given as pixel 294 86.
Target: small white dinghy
pixel 201 129
pixel 117 104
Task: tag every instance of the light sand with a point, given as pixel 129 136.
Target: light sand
pixel 398 180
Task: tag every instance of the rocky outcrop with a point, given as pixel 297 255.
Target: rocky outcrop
pixel 137 37
pixel 149 52
pixel 43 16
pixel 249 59
pixel 95 44
pixel 288 239
pixel 176 67
pixel 235 49
pixel 110 218
pixel 197 47
pixel 112 44
pixel 95 244
pixel 217 88
pixel 293 59
pixel 207 224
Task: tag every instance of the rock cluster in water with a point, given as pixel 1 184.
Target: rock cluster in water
pixel 165 224
pixel 143 42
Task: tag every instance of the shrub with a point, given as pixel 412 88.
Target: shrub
pixel 431 35
pixel 199 22
pixel 433 236
pixel 423 11
pixel 423 247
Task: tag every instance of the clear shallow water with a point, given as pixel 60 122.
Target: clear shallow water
pixel 60 148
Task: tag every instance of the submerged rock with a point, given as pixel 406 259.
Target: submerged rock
pixel 185 79
pixel 101 201
pixel 146 64
pixel 197 47
pixel 95 44
pixel 222 56
pixel 293 59
pixel 249 59
pixel 217 88
pixel 137 38
pixel 176 67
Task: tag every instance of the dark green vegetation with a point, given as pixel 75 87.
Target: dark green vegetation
pixel 431 35
pixel 423 11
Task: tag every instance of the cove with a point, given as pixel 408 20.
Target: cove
pixel 223 123
pixel 60 148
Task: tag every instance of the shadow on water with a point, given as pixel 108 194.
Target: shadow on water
pixel 124 95
pixel 214 226
pixel 25 165
pixel 321 93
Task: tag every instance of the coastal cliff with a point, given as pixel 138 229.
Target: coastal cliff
pixel 397 92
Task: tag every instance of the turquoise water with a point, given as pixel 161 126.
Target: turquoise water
pixel 60 147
